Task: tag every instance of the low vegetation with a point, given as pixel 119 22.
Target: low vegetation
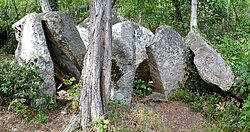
pixel 19 91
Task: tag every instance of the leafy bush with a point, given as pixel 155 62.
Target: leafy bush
pixel 19 90
pixel 116 107
pixel 140 88
pixel 72 94
pixel 101 123
pixel 235 48
pixel 73 88
pixel 245 115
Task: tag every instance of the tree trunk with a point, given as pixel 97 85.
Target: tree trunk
pixel 107 56
pixel 177 12
pixel 96 75
pixel 45 5
pixel 193 18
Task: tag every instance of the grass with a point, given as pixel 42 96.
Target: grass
pixel 139 118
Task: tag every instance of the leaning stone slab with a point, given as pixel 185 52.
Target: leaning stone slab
pixel 209 63
pixel 65 44
pixel 32 46
pixel 166 59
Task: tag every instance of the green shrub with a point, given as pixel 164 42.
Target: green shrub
pixel 10 45
pixel 101 123
pixel 211 101
pixel 19 90
pixel 72 94
pixel 235 48
pixel 116 108
pixel 140 89
pixel 245 115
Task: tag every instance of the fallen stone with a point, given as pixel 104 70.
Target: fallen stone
pixel 166 60
pixel 209 63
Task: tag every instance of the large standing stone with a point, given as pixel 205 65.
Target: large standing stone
pixel 166 59
pixel 210 65
pixel 65 44
pixel 123 61
pixel 32 46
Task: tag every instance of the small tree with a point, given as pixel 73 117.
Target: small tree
pixel 193 18
pixel 45 5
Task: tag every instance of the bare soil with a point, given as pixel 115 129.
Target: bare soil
pixel 179 116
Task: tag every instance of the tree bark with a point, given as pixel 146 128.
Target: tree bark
pixel 107 54
pixel 45 5
pixel 193 18
pixel 97 64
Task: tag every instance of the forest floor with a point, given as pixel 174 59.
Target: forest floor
pixel 171 116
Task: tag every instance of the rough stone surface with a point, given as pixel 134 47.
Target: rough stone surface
pixel 85 23
pixel 142 37
pixel 84 33
pixel 117 19
pixel 65 44
pixel 166 59
pixel 209 63
pixel 123 61
pixel 32 46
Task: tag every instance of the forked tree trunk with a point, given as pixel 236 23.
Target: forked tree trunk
pixel 96 73
pixel 193 18
pixel 45 5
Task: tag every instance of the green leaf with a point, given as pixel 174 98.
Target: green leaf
pixel 106 122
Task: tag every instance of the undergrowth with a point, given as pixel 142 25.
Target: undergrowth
pixel 19 91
